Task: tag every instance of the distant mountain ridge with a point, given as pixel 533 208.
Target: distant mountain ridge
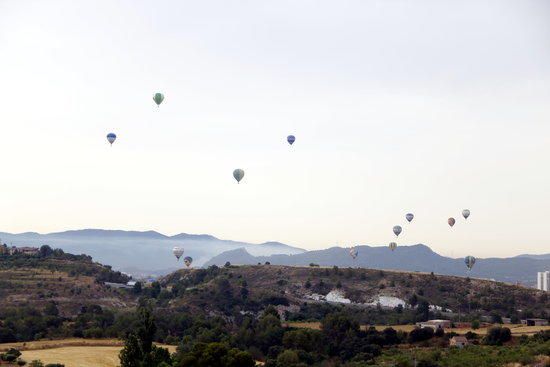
pixel 107 233
pixel 408 258
pixel 143 252
pixel 539 257
pixel 186 236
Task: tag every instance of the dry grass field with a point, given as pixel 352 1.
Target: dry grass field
pixel 73 352
pixel 517 329
pixel 71 342
pixel 89 356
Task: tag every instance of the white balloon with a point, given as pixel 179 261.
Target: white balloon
pixel 177 251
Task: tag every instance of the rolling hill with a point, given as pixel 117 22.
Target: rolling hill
pixel 409 258
pixel 70 281
pixel 141 253
pixel 212 289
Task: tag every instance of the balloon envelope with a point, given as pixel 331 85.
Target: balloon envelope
pixel 466 213
pixel 397 230
pixel 451 221
pixel 188 260
pixel 238 174
pixel 470 261
pixel 177 251
pixel 393 246
pixel 291 139
pixel 111 137
pixel 158 98
pixel 353 252
pixel 409 217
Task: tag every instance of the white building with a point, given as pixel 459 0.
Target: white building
pixel 435 324
pixel 543 280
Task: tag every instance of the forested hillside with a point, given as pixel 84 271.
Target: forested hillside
pixel 249 288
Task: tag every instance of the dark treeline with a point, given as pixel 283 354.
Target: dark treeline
pixel 236 341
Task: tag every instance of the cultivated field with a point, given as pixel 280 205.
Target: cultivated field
pixel 517 329
pixel 71 342
pixel 90 356
pixel 73 352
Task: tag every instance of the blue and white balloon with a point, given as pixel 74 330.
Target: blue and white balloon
pixel 111 137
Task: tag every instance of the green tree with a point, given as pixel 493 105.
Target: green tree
pixel 339 330
pixel 139 350
pixel 155 289
pixel 268 331
pixel 244 293
pixel 131 355
pixel 304 339
pixel 413 301
pixel 423 310
pixel 288 358
pixel 51 309
pixel 497 335
pixel 45 251
pixel 420 334
pixel 215 355
pixel 239 358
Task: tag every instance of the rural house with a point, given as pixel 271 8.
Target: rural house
pixel 458 341
pixel 435 324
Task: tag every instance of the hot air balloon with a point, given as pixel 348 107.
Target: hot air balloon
pixel 451 221
pixel 466 213
pixel 177 251
pixel 470 261
pixel 291 139
pixel 188 260
pixel 392 246
pixel 409 217
pixel 158 98
pixel 397 230
pixel 353 252
pixel 111 137
pixel 238 174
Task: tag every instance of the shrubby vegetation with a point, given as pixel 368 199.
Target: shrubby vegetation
pixel 340 342
pixel 526 353
pixel 58 260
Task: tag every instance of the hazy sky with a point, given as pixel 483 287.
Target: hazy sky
pixel 397 106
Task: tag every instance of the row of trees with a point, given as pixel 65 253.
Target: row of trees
pixel 218 343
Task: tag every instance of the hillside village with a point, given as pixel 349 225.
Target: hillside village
pixel 12 250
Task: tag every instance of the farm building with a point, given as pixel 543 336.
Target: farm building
pixel 458 341
pixel 435 324
pixel 535 322
pixel 23 250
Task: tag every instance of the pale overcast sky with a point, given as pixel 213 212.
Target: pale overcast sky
pixel 422 106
